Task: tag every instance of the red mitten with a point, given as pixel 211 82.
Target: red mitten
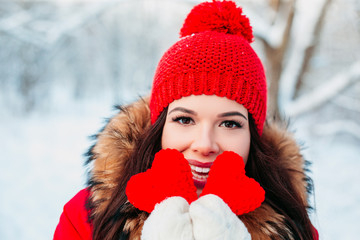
pixel 227 180
pixel 169 176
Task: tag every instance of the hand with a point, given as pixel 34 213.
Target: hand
pixel 169 220
pixel 207 218
pixel 227 180
pixel 169 176
pixel 212 219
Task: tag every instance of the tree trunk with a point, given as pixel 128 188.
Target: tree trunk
pixel 274 63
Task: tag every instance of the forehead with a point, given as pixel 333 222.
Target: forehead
pixel 211 103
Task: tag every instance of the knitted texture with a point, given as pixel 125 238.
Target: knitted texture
pixel 169 176
pixel 217 16
pixel 214 57
pixel 227 180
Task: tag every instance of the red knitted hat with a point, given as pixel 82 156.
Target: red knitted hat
pixel 213 57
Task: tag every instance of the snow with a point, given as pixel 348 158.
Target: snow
pixel 335 172
pixel 42 166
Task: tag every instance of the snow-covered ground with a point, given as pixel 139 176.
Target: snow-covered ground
pixel 335 172
pixel 42 168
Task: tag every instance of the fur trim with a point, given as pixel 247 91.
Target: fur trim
pixel 134 226
pixel 116 142
pixel 288 151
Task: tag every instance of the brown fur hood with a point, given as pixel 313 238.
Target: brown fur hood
pixel 116 142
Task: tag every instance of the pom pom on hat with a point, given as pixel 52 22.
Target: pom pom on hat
pixel 217 16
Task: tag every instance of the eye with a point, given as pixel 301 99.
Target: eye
pixel 183 120
pixel 230 124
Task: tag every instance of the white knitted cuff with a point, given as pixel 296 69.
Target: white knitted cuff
pixel 213 219
pixel 169 220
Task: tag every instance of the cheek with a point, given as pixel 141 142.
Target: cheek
pixel 238 144
pixel 166 139
pixel 173 138
pixel 243 151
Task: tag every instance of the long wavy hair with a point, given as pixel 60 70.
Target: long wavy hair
pixel 280 193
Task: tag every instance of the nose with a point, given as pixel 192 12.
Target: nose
pixel 205 142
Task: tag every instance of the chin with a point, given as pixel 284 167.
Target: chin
pixel 199 191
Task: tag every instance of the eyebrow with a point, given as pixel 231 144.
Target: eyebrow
pixel 185 110
pixel 228 114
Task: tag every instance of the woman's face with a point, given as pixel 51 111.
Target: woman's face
pixel 202 127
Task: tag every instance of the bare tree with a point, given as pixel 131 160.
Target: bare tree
pixel 288 54
pixel 286 58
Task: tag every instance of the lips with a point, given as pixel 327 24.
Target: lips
pixel 200 172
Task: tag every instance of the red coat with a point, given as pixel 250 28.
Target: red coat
pixel 73 222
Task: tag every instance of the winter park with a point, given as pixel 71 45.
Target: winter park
pixel 65 65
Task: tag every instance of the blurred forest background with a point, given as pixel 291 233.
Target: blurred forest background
pixel 64 64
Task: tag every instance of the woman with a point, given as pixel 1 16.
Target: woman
pixel 197 160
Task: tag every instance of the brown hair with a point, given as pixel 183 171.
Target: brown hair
pixel 281 195
pixel 262 166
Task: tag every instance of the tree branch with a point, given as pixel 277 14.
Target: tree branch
pixel 14 20
pixel 78 19
pixel 338 126
pixel 272 34
pixel 350 103
pixel 65 24
pixel 325 92
pixel 299 53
